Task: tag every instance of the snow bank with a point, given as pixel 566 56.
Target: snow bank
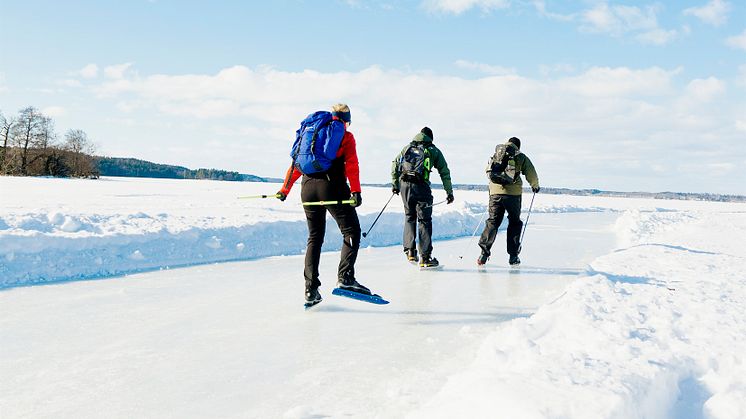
pixel 65 229
pixel 657 330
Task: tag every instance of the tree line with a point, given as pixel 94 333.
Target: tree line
pixel 30 146
pixel 129 167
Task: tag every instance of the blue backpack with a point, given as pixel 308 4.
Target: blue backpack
pixel 317 142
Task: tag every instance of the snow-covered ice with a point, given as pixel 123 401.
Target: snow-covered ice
pixel 624 308
pixel 656 330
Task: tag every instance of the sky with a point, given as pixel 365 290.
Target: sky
pixel 612 95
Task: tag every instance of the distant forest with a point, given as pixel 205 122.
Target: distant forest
pixel 115 166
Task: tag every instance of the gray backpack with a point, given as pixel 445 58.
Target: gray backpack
pixel 502 164
pixel 414 165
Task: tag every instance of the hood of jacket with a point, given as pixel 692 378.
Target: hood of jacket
pixel 517 150
pixel 421 137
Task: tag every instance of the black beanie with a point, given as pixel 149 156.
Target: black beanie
pixel 515 141
pixel 427 131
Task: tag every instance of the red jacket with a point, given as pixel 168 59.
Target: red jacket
pixel 347 152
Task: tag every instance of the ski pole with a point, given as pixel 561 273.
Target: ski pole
pixel 471 241
pixel 520 246
pixel 259 196
pixel 346 201
pixel 437 203
pixel 379 216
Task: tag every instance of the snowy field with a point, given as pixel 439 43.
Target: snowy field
pixel 624 308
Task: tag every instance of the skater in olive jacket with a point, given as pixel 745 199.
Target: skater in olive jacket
pixel 410 175
pixel 506 189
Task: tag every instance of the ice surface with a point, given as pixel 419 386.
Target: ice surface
pixel 623 308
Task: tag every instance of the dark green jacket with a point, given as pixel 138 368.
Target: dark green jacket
pixel 437 161
pixel 523 166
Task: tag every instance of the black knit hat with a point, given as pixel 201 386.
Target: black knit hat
pixel 515 141
pixel 427 131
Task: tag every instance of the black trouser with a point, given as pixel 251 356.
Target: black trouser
pixel 322 189
pixel 418 209
pixel 499 204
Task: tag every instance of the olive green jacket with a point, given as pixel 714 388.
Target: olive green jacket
pixel 436 160
pixel 523 166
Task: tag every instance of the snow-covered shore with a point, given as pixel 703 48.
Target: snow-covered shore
pixel 55 230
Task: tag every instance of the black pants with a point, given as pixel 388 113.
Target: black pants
pixel 499 204
pixel 418 211
pixel 322 189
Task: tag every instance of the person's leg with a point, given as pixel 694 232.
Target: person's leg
pixel 425 220
pixel 410 217
pixel 513 207
pixel 349 225
pixel 494 219
pixel 316 222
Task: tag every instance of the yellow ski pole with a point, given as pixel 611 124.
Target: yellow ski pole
pixel 346 201
pixel 259 196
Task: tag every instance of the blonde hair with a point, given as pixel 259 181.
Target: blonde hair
pixel 340 107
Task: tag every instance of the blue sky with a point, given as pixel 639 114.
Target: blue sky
pixel 604 94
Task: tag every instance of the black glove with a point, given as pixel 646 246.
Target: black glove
pixel 536 189
pixel 281 195
pixel 449 198
pixel 395 190
pixel 357 198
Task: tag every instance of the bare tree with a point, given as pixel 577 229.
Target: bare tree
pixel 46 136
pixel 80 149
pixel 28 133
pixel 44 148
pixel 5 125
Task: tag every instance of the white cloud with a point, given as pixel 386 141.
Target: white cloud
pixel 116 71
pixel 741 125
pixel 738 41
pixel 494 70
pixel 620 20
pixel 610 117
pixel 619 82
pixel 705 90
pixel 89 71
pixel 2 83
pixel 714 12
pixel 53 111
pixel 541 7
pixel 460 6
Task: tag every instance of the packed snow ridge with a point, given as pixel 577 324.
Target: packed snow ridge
pixel 78 229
